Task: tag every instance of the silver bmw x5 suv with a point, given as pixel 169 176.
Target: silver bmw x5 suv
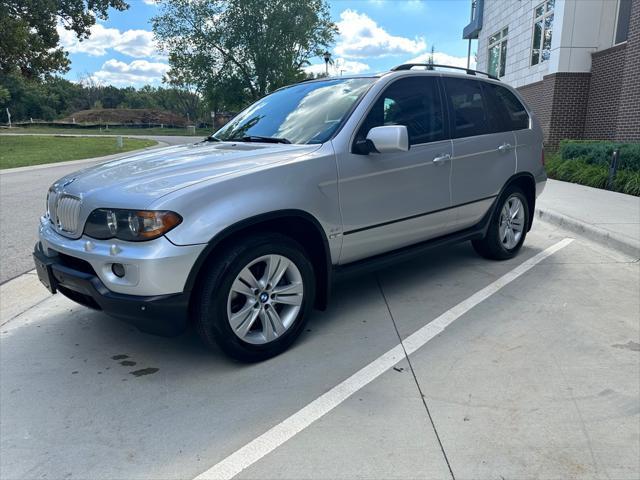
pixel 242 234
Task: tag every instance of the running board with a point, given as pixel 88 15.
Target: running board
pixel 396 256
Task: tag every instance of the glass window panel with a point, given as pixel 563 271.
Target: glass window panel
pixel 494 57
pixel 507 107
pixel 466 100
pixel 304 113
pixel 390 108
pixel 540 10
pixel 503 57
pixel 537 38
pixel 548 30
pixel 412 102
pixel 550 5
pixel 494 38
pixel 624 16
pixel 505 32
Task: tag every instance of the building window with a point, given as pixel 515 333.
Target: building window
pixel 498 52
pixel 622 24
pixel 542 31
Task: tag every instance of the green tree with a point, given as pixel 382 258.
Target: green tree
pixel 5 96
pixel 235 51
pixel 40 100
pixel 29 39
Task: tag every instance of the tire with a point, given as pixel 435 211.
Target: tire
pixel 234 288
pixel 498 244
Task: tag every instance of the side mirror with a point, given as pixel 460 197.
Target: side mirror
pixel 389 138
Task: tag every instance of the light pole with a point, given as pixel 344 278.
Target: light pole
pixel 327 58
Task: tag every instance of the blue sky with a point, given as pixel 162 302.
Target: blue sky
pixel 374 35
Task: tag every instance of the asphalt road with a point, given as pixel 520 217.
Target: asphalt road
pixel 22 197
pixel 537 375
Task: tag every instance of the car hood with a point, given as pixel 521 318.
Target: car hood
pixel 137 180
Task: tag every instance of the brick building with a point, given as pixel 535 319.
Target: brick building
pixel 576 62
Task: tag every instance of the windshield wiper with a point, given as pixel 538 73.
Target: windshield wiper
pixel 258 138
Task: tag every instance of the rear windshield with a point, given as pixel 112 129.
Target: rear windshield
pixel 303 113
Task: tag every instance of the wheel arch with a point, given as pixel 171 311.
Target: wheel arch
pixel 526 182
pixel 297 224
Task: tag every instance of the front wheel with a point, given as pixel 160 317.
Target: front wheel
pixel 255 299
pixel 507 228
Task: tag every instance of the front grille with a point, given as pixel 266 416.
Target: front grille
pixel 64 211
pixel 52 201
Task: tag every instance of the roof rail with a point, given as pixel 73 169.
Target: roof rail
pixel 432 66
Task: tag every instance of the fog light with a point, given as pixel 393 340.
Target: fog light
pixel 118 270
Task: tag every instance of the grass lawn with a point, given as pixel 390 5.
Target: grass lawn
pixel 200 132
pixel 21 151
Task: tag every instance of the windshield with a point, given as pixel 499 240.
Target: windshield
pixel 303 113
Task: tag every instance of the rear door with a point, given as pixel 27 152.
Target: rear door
pixel 515 115
pixel 483 148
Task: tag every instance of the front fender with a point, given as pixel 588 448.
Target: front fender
pixel 307 184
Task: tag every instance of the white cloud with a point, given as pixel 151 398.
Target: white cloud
pixel 340 65
pixel 137 73
pixel 361 37
pixel 134 43
pixel 150 2
pixel 442 58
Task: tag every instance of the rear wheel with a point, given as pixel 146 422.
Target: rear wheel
pixel 508 227
pixel 254 300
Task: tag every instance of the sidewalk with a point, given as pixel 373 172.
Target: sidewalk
pixel 606 217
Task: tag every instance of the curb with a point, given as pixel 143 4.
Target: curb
pixel 114 156
pixel 594 233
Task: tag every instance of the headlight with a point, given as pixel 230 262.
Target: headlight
pixel 131 225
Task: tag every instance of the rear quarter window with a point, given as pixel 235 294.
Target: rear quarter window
pixel 511 110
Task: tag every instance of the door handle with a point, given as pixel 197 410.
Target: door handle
pixel 442 159
pixel 505 147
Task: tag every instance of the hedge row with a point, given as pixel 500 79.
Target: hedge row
pixel 586 172
pixel 599 153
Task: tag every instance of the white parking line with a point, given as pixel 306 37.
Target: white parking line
pixel 285 430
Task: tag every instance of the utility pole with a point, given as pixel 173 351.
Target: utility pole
pixel 9 117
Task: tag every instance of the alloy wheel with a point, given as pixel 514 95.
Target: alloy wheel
pixel 511 223
pixel 265 299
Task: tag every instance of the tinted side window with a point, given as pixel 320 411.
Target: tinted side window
pixel 468 106
pixel 514 115
pixel 412 102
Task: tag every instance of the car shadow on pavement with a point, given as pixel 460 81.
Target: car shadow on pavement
pixel 355 301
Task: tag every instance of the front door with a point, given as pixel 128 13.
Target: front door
pixel 395 199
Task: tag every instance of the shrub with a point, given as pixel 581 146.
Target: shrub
pixel 599 153
pixel 581 170
pixel 627 181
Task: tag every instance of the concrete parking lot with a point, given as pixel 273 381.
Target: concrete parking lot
pixel 536 375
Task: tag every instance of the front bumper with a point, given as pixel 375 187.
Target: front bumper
pixel 155 267
pixel 165 315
